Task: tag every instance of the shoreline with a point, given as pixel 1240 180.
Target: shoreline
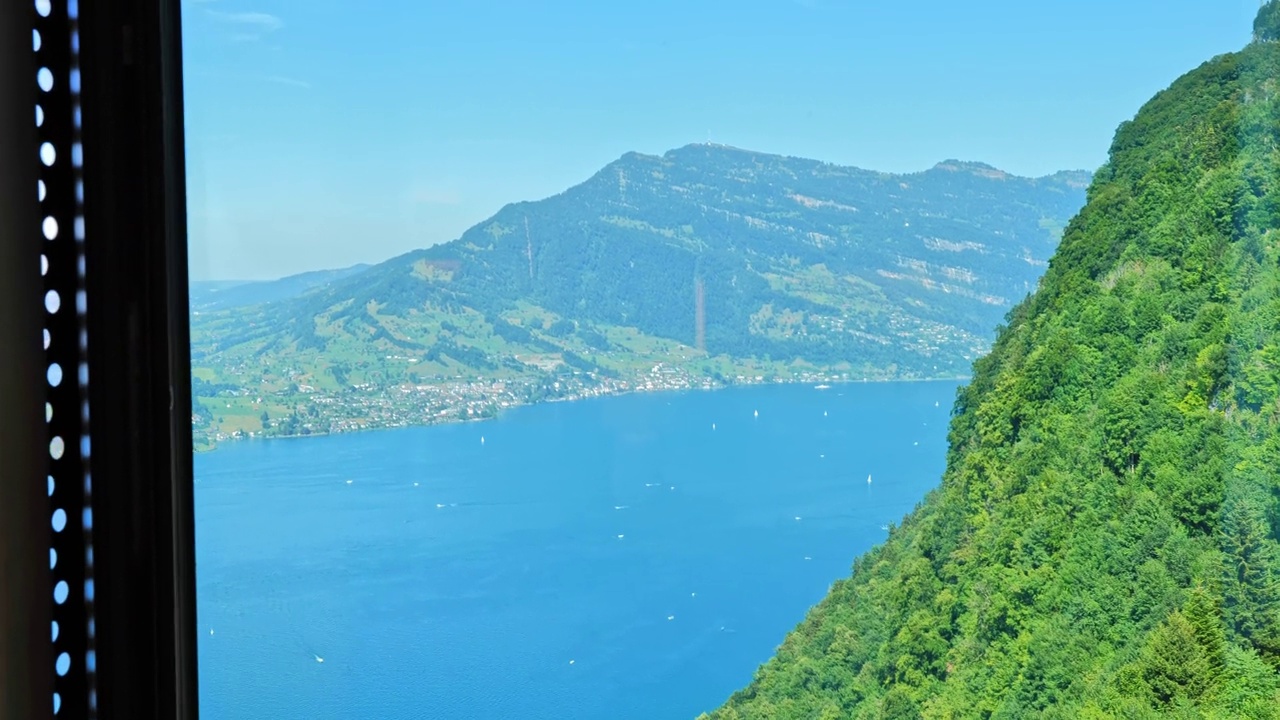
pixel 632 391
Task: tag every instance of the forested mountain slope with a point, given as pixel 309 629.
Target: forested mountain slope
pixel 1104 540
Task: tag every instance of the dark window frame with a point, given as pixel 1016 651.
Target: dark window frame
pixel 125 479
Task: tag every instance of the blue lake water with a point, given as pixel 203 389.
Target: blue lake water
pixel 609 558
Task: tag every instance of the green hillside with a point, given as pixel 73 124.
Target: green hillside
pixel 1104 540
pixel 705 266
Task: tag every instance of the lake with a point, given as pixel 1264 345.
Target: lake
pixel 626 557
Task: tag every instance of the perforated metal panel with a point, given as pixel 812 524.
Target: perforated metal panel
pixel 61 190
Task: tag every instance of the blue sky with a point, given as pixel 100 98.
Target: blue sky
pixel 330 132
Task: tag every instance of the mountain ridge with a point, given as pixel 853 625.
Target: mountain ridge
pixel 719 262
pixel 208 295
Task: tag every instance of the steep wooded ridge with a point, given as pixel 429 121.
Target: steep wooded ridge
pixel 1104 540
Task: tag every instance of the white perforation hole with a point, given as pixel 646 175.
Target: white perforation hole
pixel 35 40
pixel 50 228
pixel 57 447
pixel 55 631
pixel 61 591
pixel 40 184
pixel 44 7
pixel 47 338
pixel 44 266
pixel 53 559
pixel 39 116
pixel 48 412
pixel 44 77
pixel 59 520
pixel 52 301
pixel 50 486
pixel 57 703
pixel 47 154
pixel 54 374
pixel 63 664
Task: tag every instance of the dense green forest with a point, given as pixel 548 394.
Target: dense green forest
pixel 1104 540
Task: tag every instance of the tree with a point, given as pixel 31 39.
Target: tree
pixel 1251 687
pixel 899 705
pixel 1251 583
pixel 1175 664
pixel 1266 25
pixel 1203 610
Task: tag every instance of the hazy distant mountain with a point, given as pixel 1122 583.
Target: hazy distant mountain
pixel 222 294
pixel 789 259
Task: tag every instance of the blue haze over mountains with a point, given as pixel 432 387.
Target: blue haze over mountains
pixel 221 294
pixel 795 259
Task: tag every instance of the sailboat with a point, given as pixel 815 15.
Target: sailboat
pixel 319 659
pixel 868 479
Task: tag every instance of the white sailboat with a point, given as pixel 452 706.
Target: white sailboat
pixel 868 479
